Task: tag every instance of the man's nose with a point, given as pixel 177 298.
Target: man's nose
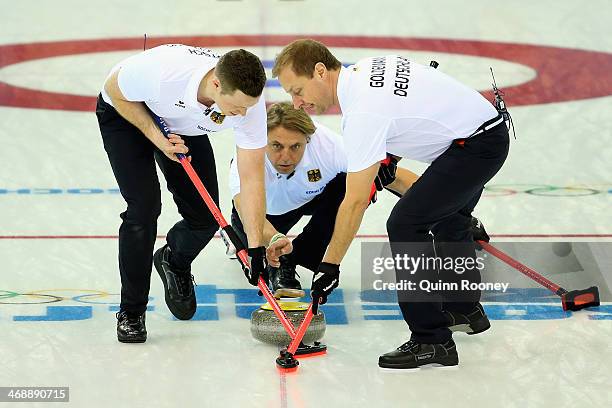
pixel 297 102
pixel 283 155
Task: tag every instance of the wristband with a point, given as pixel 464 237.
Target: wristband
pixel 276 237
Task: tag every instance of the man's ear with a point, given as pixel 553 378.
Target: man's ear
pixel 320 70
pixel 216 83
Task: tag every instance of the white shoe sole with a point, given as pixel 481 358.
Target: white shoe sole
pixel 430 366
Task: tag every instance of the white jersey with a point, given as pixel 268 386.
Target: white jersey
pixel 323 159
pixel 166 79
pixel 391 104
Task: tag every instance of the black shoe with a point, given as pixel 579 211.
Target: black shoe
pixel 178 285
pixel 472 323
pixel 131 327
pixel 283 281
pixel 414 355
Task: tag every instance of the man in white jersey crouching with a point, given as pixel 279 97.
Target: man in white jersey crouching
pixel 305 174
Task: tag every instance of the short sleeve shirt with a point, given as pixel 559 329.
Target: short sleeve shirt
pixel 391 104
pixel 323 159
pixel 166 79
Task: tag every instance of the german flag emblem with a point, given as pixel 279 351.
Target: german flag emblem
pixel 217 117
pixel 314 175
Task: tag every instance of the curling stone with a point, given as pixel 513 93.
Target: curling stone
pixel 266 327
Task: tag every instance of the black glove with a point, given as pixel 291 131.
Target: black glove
pixel 324 281
pixel 373 193
pixel 257 259
pixel 386 172
pixel 478 230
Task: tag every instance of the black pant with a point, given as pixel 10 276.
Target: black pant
pixel 310 245
pixel 132 157
pixel 442 201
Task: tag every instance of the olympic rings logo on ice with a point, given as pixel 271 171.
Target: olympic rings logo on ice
pixel 496 190
pixel 493 190
pixel 44 296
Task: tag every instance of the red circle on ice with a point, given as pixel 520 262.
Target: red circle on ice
pixel 563 74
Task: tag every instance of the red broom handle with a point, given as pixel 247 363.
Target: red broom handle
pixel 212 207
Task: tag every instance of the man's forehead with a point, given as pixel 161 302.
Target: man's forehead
pixel 283 136
pixel 290 80
pixel 285 140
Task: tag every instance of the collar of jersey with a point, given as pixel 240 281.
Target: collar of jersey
pixel 274 173
pixel 191 92
pixel 343 78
